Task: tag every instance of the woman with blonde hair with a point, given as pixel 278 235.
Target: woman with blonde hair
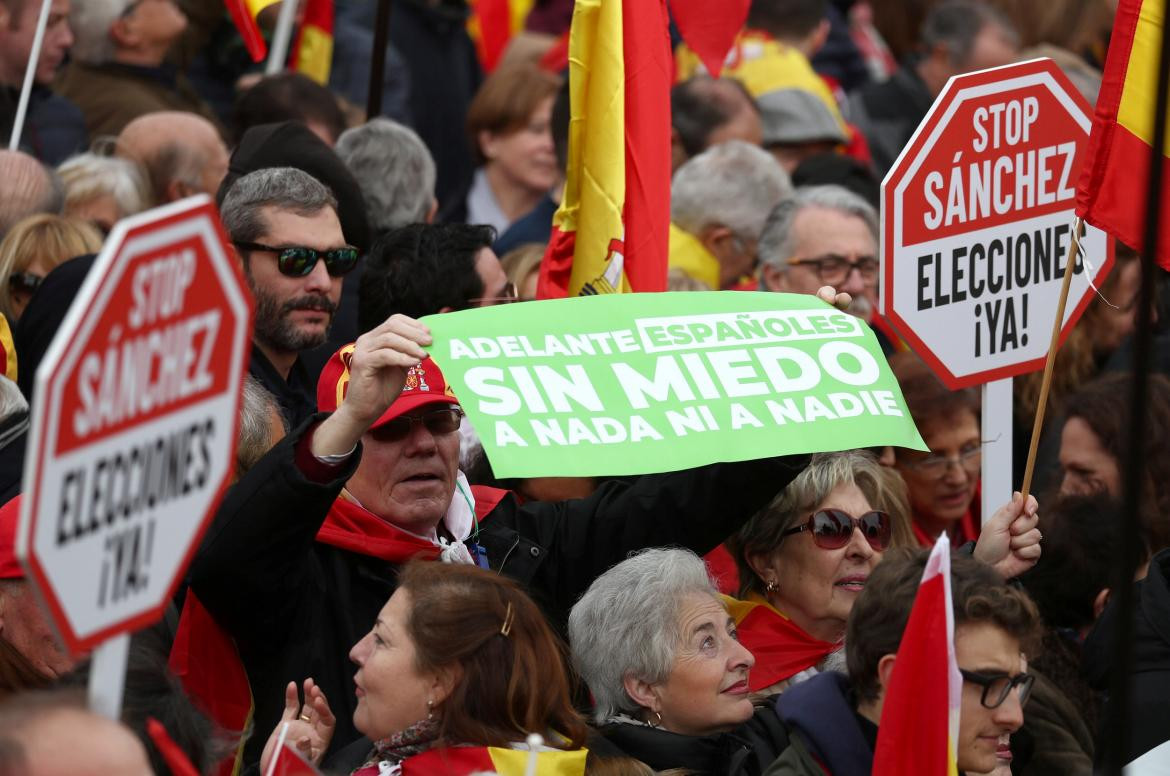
pixel 103 189
pixel 32 248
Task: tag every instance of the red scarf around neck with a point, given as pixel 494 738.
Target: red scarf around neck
pixel 780 646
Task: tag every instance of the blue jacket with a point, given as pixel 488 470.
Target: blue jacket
pixel 54 128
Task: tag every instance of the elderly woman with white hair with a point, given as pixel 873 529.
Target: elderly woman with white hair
pixel 655 644
pixel 103 189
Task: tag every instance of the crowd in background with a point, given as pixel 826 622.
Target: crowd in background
pixel 738 618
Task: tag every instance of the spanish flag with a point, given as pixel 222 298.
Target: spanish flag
pixel 781 648
pixel 492 24
pixel 243 14
pixel 610 232
pixel 920 711
pixel 466 760
pixel 1115 178
pixel 313 55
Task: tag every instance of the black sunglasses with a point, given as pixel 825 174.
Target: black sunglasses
pixel 296 261
pixel 24 281
pixel 832 529
pixel 997 687
pixel 437 422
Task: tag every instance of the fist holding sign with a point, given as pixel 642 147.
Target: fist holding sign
pixel 977 217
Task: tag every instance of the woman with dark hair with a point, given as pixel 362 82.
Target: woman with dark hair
pixel 1093 448
pixel 460 660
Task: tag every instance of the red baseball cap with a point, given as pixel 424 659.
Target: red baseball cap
pixel 10 567
pixel 424 385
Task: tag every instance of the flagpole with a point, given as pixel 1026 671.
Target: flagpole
pixel 378 60
pixel 30 72
pixel 281 36
pixel 1117 727
pixel 1074 250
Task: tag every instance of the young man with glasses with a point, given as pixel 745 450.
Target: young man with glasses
pixel 283 224
pixel 833 718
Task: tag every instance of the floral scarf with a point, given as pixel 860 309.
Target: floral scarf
pixel 388 754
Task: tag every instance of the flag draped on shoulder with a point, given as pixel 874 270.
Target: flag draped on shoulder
pixel 781 648
pixel 610 232
pixel 920 710
pixel 466 760
pixel 1115 178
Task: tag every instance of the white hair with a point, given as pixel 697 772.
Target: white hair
pixel 90 21
pixel 733 184
pixel 92 175
pixel 627 624
pixel 394 170
pixel 778 238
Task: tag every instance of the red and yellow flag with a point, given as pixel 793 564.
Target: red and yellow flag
pixel 313 55
pixel 492 24
pixel 920 710
pixel 610 232
pixel 465 760
pixel 1115 178
pixel 243 14
pixel 781 648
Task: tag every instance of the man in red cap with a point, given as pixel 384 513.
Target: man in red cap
pixel 22 622
pixel 304 550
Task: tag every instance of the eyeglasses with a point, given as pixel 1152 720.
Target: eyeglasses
pixel 935 466
pixel 437 422
pixel 297 261
pixel 508 294
pixel 832 529
pixel 24 281
pixel 996 687
pixel 834 270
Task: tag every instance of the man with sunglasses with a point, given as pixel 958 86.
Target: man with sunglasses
pixel 283 224
pixel 833 718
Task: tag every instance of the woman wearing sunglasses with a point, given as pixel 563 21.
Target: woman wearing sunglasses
pixel 805 558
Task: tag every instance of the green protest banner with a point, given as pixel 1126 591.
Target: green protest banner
pixel 642 383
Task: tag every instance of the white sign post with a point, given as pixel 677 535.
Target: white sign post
pixel 976 228
pixel 134 429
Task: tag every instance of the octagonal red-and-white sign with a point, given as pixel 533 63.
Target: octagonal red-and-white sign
pixel 977 218
pixel 134 426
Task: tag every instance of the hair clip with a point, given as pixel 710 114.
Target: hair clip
pixel 506 628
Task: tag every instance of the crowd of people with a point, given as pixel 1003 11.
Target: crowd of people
pixel 371 594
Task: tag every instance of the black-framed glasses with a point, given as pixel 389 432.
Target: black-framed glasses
pixel 296 261
pixel 832 529
pixel 508 294
pixel 834 270
pixel 997 687
pixel 437 422
pixel 24 281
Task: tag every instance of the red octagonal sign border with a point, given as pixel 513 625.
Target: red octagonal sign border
pixel 954 92
pixel 109 269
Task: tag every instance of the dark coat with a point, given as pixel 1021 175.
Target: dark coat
pixel 112 95
pixel 1149 702
pixel 54 128
pixel 746 751
pixel 828 735
pixel 887 113
pixel 295 607
pixel 297 396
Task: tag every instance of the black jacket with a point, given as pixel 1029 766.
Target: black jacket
pixel 295 607
pixel 1149 701
pixel 54 128
pixel 296 396
pixel 889 112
